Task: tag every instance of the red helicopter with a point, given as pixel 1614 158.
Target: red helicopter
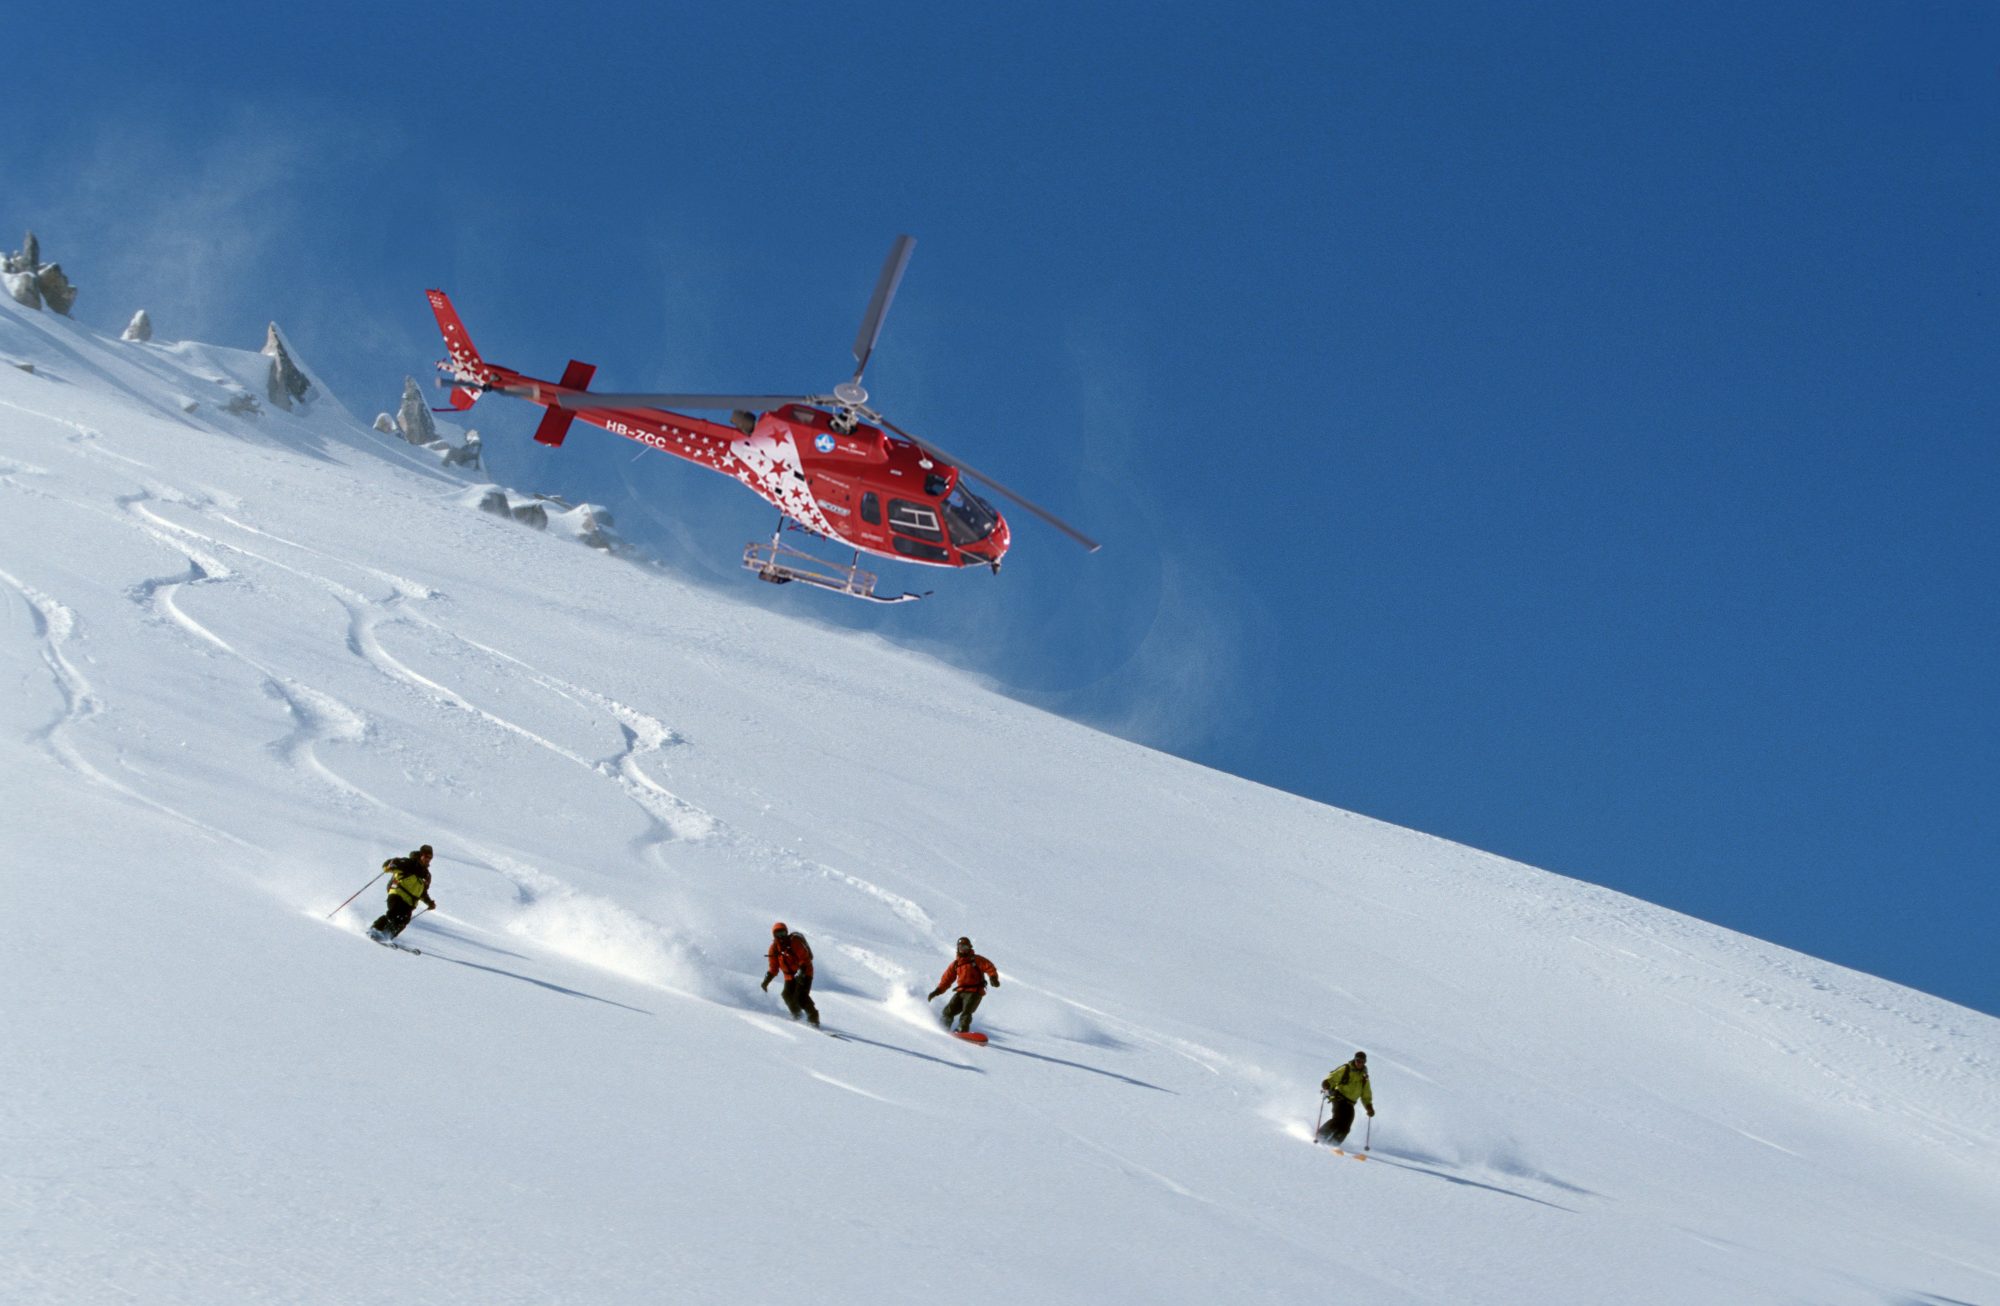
pixel 832 465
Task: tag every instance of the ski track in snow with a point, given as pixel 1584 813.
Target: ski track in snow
pixel 569 921
pixel 317 716
pixel 321 716
pixel 55 626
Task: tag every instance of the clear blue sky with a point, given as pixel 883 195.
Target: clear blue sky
pixel 1567 429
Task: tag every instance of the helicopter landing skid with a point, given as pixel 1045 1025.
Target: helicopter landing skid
pixel 781 564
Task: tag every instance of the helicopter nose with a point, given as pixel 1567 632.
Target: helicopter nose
pixel 1001 537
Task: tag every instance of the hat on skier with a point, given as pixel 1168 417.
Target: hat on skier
pixel 424 851
pixel 965 943
pixel 779 928
pixel 1361 1057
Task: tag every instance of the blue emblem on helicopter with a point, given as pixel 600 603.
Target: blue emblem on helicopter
pixel 823 442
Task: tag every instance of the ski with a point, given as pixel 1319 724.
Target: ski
pixel 400 947
pixel 971 1036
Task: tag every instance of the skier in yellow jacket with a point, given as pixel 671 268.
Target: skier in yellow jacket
pixel 409 884
pixel 1345 1086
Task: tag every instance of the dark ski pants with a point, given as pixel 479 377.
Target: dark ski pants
pixel 1335 1130
pixel 963 1003
pixel 391 922
pixel 798 996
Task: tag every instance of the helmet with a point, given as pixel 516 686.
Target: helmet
pixel 779 928
pixel 1361 1058
pixel 424 851
pixel 965 945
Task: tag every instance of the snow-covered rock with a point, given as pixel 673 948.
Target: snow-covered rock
pixel 21 288
pixel 413 416
pixel 588 524
pixel 139 328
pixel 33 283
pixel 466 454
pixel 286 382
pixel 415 424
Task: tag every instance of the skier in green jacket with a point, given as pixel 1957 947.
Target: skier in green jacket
pixel 1345 1086
pixel 409 884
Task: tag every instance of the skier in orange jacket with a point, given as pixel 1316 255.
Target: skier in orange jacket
pixel 792 954
pixel 969 971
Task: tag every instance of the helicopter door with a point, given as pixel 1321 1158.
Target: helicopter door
pixel 919 533
pixel 868 519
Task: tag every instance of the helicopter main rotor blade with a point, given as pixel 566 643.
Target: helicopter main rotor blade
pixel 756 403
pixel 878 304
pixel 1033 507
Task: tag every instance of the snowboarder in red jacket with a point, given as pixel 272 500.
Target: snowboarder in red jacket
pixel 793 955
pixel 970 972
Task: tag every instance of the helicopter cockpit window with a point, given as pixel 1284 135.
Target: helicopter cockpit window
pixel 915 519
pixel 969 517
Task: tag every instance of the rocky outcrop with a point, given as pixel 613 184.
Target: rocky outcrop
pixel 286 382
pixel 414 423
pixel 20 287
pixel 467 454
pixel 593 527
pixel 589 524
pixel 139 328
pixel 35 283
pixel 413 418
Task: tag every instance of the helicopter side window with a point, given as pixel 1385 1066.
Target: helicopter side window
pixel 915 519
pixel 871 509
pixel 969 517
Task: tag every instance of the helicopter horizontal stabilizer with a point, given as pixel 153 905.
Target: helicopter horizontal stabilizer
pixel 555 422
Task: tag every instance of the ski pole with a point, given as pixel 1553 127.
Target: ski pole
pixel 356 894
pixel 1369 1141
pixel 1318 1116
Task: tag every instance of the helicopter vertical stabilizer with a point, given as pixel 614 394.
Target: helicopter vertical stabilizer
pixel 465 363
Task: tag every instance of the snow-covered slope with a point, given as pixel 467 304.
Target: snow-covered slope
pixel 246 659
